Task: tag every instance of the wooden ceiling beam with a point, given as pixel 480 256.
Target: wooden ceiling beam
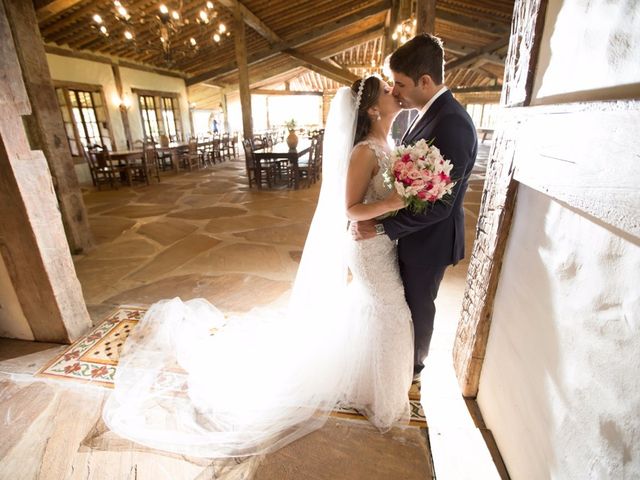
pixel 472 57
pixel 296 42
pixel 93 57
pixel 338 74
pixel 54 8
pixel 264 91
pixel 474 23
pixel 253 21
pixel 484 89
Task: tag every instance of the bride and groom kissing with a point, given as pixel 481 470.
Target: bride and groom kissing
pixel 264 379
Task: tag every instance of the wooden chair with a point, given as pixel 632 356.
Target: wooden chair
pixel 225 147
pixel 150 162
pixel 257 172
pixel 101 171
pixel 234 142
pixel 192 156
pixel 307 168
pixel 165 157
pixel 216 154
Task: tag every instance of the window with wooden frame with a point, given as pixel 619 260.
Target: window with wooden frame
pixel 160 114
pixel 85 116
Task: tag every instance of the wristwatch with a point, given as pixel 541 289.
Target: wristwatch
pixel 379 229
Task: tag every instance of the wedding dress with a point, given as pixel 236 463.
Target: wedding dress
pixel 191 381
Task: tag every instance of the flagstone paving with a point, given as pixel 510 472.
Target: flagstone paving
pixel 201 232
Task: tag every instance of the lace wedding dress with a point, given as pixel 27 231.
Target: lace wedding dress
pixel 191 381
pixel 378 303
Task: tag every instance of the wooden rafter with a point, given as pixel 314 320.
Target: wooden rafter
pixel 54 8
pixel 293 43
pixel 253 21
pixel 338 74
pixel 472 57
pixel 474 23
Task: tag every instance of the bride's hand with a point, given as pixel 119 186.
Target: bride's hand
pixel 394 201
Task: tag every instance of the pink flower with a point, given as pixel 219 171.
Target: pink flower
pixel 406 157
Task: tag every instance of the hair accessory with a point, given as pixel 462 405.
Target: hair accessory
pixel 360 90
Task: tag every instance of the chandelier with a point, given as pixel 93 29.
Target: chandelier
pixel 165 23
pixel 405 30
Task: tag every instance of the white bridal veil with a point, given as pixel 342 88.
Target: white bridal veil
pixel 192 383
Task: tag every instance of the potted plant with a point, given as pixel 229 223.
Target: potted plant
pixel 292 139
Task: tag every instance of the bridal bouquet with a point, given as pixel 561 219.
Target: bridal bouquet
pixel 420 174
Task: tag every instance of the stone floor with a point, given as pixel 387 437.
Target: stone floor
pixel 205 234
pixel 199 234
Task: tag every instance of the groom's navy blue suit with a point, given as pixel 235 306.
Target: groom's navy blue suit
pixel 429 242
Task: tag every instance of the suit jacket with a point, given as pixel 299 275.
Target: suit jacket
pixel 436 237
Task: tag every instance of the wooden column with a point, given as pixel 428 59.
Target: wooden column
pixel 32 237
pixel 123 111
pixel 390 24
pixel 225 111
pixel 243 72
pixel 498 200
pixel 44 125
pixel 426 16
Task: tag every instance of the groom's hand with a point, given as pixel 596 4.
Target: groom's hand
pixel 363 230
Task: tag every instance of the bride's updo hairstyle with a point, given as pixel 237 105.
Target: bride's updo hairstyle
pixel 370 93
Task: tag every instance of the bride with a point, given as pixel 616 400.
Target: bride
pixel 192 382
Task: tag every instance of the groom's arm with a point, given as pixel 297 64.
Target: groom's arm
pixel 453 137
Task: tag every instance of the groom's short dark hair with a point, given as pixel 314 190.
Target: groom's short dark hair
pixel 422 55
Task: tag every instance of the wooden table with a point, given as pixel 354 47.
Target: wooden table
pixel 281 151
pixel 124 159
pixel 175 149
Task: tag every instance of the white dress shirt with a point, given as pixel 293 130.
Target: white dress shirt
pixel 425 108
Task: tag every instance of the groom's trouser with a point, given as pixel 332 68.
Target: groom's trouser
pixel 421 289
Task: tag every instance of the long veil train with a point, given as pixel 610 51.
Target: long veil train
pixel 262 380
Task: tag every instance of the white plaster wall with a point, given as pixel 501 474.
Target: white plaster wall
pixel 589 47
pixel 13 323
pixel 560 384
pixel 84 71
pixel 152 81
pixel 95 73
pixel 560 387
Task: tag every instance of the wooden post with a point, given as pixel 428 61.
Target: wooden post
pixel 390 25
pixel 44 124
pixel 225 111
pixel 498 202
pixel 243 73
pixel 426 16
pixel 32 237
pixel 123 111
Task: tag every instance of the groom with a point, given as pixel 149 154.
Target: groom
pixel 428 242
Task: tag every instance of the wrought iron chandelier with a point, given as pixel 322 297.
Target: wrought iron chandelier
pixel 165 24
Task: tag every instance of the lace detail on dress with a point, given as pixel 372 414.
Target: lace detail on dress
pixel 376 189
pixel 378 305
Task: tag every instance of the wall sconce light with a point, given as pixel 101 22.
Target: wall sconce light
pixel 124 103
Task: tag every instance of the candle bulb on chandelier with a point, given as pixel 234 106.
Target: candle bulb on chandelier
pixel 97 18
